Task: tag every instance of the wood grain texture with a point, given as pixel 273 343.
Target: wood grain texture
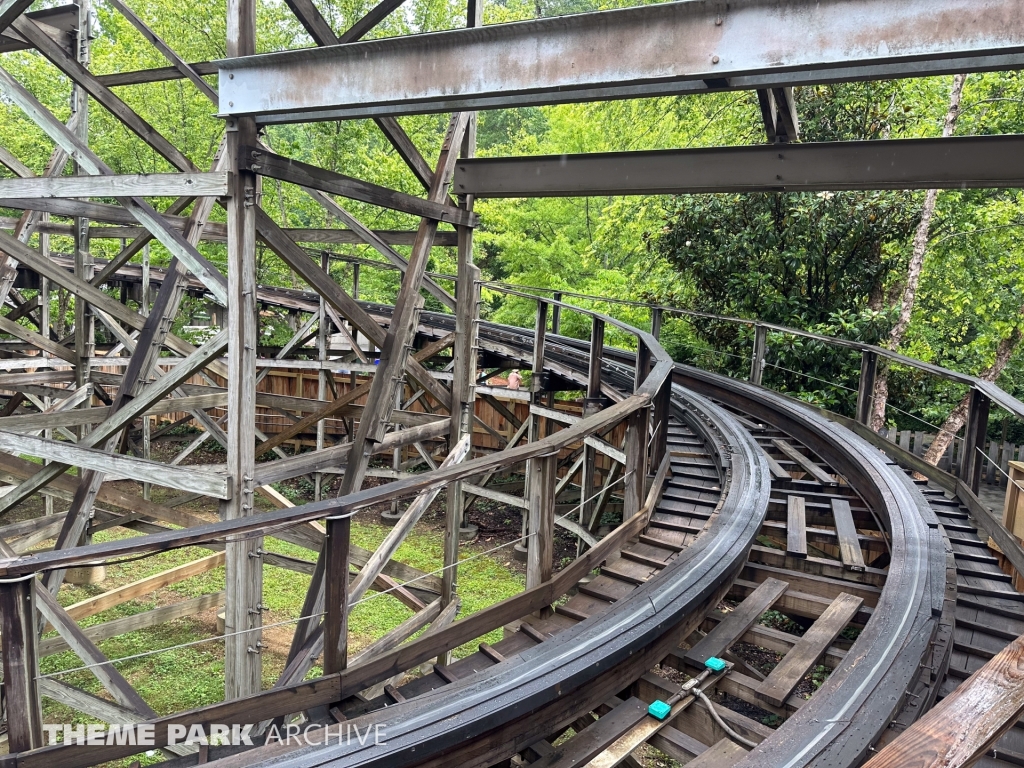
pixel 961 728
pixel 133 184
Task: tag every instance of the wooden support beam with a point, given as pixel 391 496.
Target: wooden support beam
pixel 112 680
pixel 975 434
pixel 403 528
pixel 757 356
pixel 208 483
pixel 866 387
pixel 10 10
pixel 133 185
pixel 542 474
pixel 737 622
pixel 37 340
pixel 244 579
pixel 20 664
pixel 337 600
pixel 142 211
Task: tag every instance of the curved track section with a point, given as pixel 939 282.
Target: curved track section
pixel 503 709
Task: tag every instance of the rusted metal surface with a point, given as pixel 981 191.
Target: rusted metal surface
pixel 968 161
pixel 632 52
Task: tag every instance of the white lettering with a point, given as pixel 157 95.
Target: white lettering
pixel 95 735
pixel 175 733
pixel 145 735
pixel 121 734
pixel 51 732
pixel 196 735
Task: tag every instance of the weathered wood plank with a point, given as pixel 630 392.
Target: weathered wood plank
pixel 778 686
pixel 194 479
pixel 805 463
pixel 846 531
pixel 133 185
pixel 796 527
pixel 736 624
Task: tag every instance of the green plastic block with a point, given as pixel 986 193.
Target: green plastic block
pixel 659 709
pixel 715 664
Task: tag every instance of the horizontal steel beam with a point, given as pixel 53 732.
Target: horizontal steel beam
pixel 632 52
pixel 971 161
pixel 214 184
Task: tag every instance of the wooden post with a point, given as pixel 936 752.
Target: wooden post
pixel 542 472
pixel 974 439
pixel 757 357
pixel 20 664
pixel 643 364
pixel 85 321
pixel 636 464
pixel 244 579
pixel 596 356
pixel 662 410
pixel 556 315
pixel 336 546
pixel 321 389
pixel 866 388
pixel 539 343
pixel 44 328
pixel 147 441
pixel 656 319
pixel 464 353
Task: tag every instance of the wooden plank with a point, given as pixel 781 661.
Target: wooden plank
pixel 112 680
pixel 846 531
pixel 213 184
pixel 136 589
pixel 796 527
pixel 779 685
pixel 398 533
pixel 737 622
pixel 810 467
pixel 723 754
pixel 165 613
pixel 596 737
pixel 208 483
pixel 968 722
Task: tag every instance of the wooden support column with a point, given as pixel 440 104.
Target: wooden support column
pixel 85 322
pixel 556 315
pixel 20 664
pixel 336 547
pixel 634 481
pixel 866 389
pixel 596 355
pixel 541 473
pixel 643 364
pixel 974 440
pixel 662 410
pixel 321 389
pixel 656 320
pixel 244 579
pixel 757 357
pixel 464 354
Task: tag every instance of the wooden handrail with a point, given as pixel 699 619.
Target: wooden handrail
pixel 960 730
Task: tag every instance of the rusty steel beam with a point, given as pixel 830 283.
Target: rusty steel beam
pixel 961 162
pixel 650 50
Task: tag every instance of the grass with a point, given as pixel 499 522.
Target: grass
pixel 185 678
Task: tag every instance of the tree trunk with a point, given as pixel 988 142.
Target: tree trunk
pixel 881 393
pixel 957 418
